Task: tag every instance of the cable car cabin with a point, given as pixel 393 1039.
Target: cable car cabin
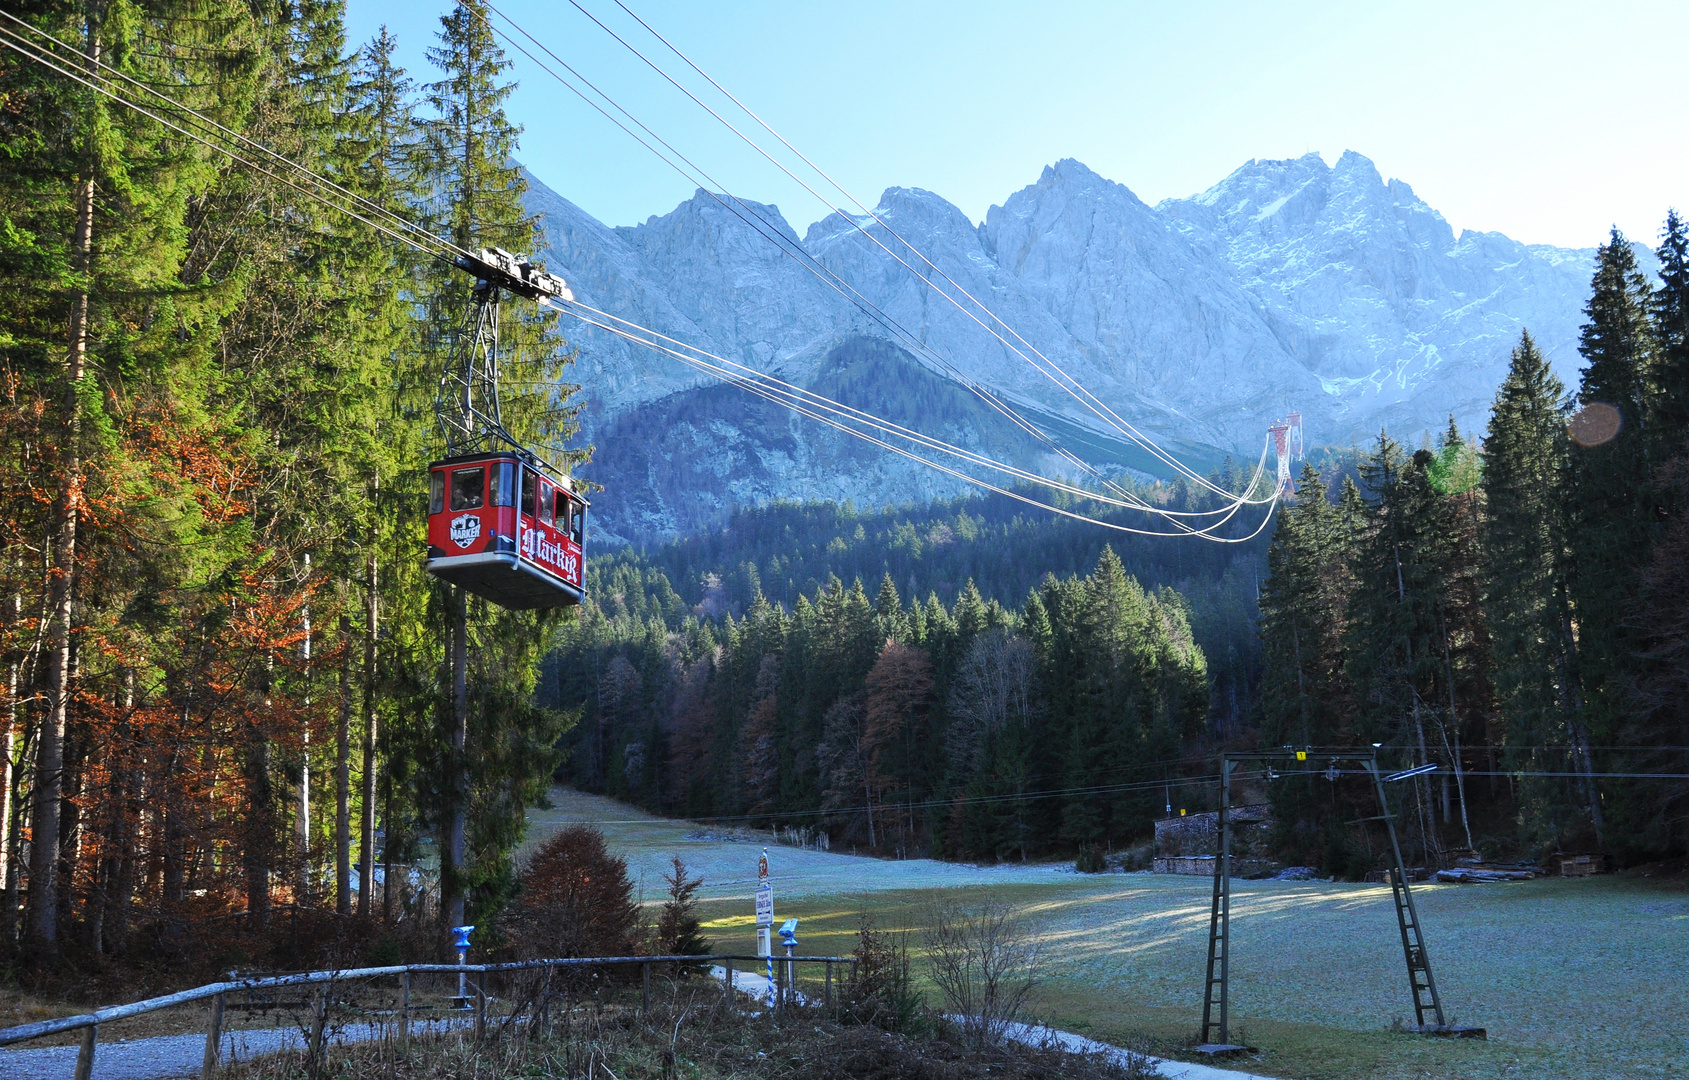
pixel 505 531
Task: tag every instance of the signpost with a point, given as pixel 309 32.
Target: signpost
pixel 765 920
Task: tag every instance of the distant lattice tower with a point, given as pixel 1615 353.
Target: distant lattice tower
pixel 1297 449
pixel 1281 446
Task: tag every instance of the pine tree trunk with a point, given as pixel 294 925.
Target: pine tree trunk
pixel 14 867
pixel 302 813
pixel 1454 752
pixel 49 750
pixel 451 876
pixel 71 831
pixel 260 831
pixel 1572 704
pixel 366 837
pixel 387 851
pixel 8 748
pixel 343 778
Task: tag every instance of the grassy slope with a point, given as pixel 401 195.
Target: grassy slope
pixel 1573 979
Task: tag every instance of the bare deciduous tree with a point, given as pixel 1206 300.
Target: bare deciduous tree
pixel 984 960
pixel 992 685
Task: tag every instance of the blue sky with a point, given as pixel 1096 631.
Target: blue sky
pixel 1547 121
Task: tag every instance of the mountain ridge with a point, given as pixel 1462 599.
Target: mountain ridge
pixel 1289 284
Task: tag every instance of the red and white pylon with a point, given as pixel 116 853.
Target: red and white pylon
pixel 1281 447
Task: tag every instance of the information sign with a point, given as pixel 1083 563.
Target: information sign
pixel 765 905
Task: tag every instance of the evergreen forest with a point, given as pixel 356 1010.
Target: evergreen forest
pixel 226 673
pixel 963 680
pixel 223 659
pixel 1511 610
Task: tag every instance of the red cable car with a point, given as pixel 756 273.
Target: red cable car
pixel 505 530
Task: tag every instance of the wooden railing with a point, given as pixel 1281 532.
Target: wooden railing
pixel 89 1023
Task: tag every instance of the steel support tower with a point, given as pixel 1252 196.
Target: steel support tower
pixel 1427 1003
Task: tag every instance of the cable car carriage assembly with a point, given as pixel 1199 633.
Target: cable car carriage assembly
pixel 502 523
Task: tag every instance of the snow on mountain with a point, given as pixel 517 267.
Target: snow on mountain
pixel 1401 321
pixel 1288 285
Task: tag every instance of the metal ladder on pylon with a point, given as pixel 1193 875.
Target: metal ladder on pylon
pixel 1214 1027
pixel 1420 979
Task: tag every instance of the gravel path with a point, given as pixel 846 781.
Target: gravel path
pixel 166 1057
pixel 169 1057
pixel 757 987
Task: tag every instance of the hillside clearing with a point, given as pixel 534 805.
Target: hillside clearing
pixel 1572 979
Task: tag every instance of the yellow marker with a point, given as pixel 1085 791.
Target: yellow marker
pixel 1181 811
pixel 1301 755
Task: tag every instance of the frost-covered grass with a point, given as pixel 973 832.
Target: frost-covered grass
pixel 727 858
pixel 1573 979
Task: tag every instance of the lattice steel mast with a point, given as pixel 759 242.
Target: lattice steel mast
pixel 467 404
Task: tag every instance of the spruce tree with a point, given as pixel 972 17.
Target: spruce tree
pixel 1527 594
pixel 98 209
pixel 1670 420
pixel 1612 492
pixel 508 751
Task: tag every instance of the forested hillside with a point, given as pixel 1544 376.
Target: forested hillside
pixel 226 671
pixel 1517 610
pixel 222 658
pixel 989 683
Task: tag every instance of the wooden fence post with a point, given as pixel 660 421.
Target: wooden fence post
pixel 481 1007
pixel 727 986
pixel 645 996
pixel 829 998
pixel 405 1008
pixel 85 1056
pixel 213 1038
pixel 321 1022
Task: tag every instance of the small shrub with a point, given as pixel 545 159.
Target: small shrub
pixel 678 927
pixel 576 900
pixel 1090 861
pixel 882 992
pixel 984 961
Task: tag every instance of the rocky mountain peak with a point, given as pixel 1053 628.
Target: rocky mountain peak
pixel 1290 284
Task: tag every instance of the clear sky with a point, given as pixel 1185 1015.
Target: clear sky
pixel 1548 121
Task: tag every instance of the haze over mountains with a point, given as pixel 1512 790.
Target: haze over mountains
pixel 1288 285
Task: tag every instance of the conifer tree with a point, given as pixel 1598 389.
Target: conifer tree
pixel 1612 504
pixel 504 745
pixel 1527 597
pixel 97 205
pixel 1670 420
pixel 1302 601
pixel 679 930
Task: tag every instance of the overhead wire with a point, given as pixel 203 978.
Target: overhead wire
pixel 369 205
pixel 760 389
pixel 868 418
pixel 19 45
pixel 1071 385
pixel 820 270
pixel 412 236
pixel 703 181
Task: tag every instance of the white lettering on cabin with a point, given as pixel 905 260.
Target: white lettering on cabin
pixel 466 530
pixel 541 549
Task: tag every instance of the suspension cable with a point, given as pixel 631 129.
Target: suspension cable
pixel 1071 385
pixel 802 401
pixel 808 261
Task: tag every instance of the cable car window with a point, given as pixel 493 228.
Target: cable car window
pixel 468 488
pixel 577 530
pixel 504 483
pixel 437 491
pixel 547 493
pixel 530 491
pixel 565 512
